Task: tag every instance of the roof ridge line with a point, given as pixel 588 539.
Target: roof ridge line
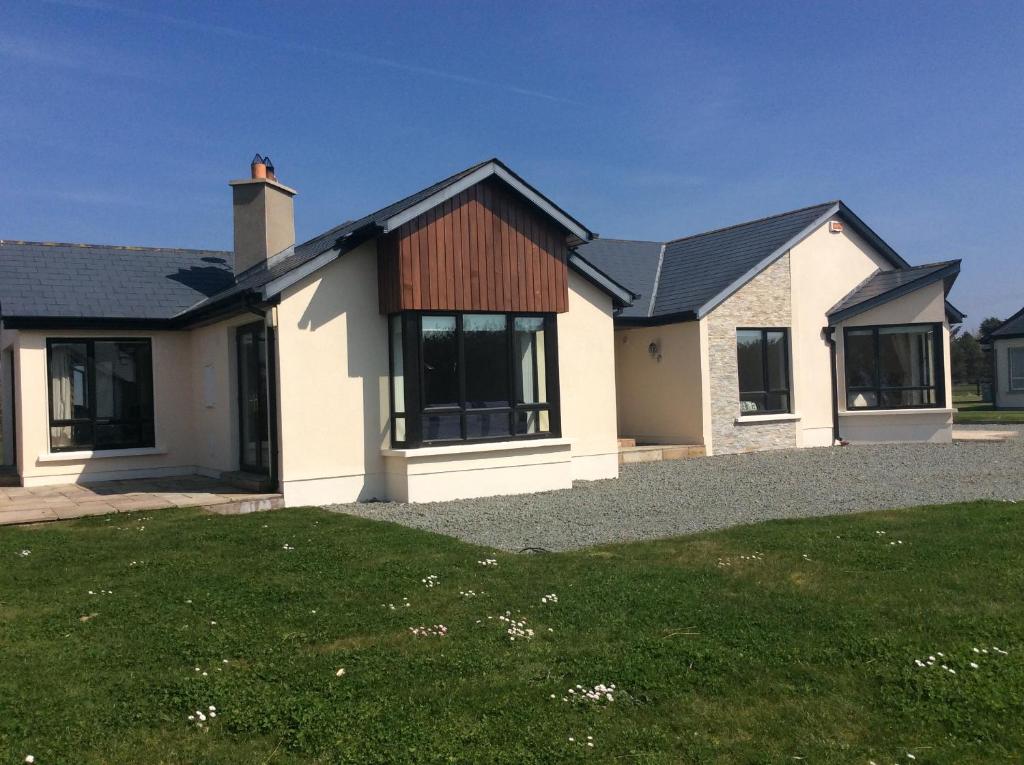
pixel 657 281
pixel 756 220
pixel 131 247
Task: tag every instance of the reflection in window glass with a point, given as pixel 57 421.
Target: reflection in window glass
pixel 486 354
pixel 892 367
pixel 440 362
pixel 762 368
pixel 531 377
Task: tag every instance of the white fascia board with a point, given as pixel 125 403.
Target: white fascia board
pixel 657 282
pixel 471 180
pixel 298 274
pixel 709 306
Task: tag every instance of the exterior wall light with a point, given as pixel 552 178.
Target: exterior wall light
pixel 653 349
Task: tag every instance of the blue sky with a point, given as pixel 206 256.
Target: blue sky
pixel 122 123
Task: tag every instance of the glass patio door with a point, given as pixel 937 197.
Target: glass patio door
pixel 253 421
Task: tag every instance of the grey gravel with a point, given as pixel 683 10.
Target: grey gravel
pixel 662 499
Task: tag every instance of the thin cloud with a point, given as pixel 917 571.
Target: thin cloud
pixel 241 34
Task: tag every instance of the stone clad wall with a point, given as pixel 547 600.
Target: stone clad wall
pixel 765 301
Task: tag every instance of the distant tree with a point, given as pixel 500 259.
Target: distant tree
pixel 988 325
pixel 968 360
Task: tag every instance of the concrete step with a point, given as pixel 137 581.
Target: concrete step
pixel 243 506
pixel 254 482
pixel 627 442
pixel 658 452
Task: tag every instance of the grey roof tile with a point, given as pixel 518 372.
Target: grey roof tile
pixel 880 284
pixel 694 269
pixel 1011 327
pixel 54 280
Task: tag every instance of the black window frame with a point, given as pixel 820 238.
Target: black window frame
pixel 147 435
pixel 413 374
pixel 1011 368
pixel 767 389
pixel 877 389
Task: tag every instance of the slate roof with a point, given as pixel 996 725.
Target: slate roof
pixel 883 286
pixel 46 279
pixel 84 281
pixel 696 268
pixel 633 264
pixel 1012 327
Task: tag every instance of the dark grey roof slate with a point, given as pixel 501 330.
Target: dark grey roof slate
pixel 45 279
pixel 631 263
pixel 697 268
pixel 260 275
pixel 880 284
pixel 1011 327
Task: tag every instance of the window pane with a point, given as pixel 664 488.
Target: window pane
pixel 778 372
pixel 1016 364
pixel 124 390
pixel 895 399
pixel 69 381
pixel 860 359
pixel 904 355
pixel 113 436
pixel 399 434
pixel 861 399
pixel 442 427
pixel 487 424
pixel 533 422
pixel 440 362
pixel 749 360
pixel 486 352
pixel 71 436
pixel 397 365
pixel 531 375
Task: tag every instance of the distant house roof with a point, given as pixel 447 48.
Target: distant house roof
pixel 42 282
pixel 883 286
pixel 53 280
pixel 1012 327
pixel 684 279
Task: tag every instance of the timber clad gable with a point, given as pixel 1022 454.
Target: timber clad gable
pixel 485 249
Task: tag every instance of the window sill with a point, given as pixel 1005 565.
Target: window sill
pixel 147 451
pixel 471 448
pixel 883 412
pixel 755 419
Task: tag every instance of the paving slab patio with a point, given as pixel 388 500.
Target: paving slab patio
pixel 36 504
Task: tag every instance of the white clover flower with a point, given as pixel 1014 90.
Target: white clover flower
pixel 340 672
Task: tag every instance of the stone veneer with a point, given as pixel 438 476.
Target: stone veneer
pixel 764 301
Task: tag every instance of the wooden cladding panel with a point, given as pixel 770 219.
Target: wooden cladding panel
pixel 485 249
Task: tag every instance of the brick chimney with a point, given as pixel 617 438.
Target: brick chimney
pixel 264 215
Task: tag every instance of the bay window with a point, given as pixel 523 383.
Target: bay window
pixel 472 377
pixel 894 366
pixel 762 365
pixel 100 394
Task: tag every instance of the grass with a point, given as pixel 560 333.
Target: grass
pixel 971 410
pixel 759 644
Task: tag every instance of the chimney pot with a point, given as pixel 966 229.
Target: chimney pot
pixel 259 167
pixel 270 168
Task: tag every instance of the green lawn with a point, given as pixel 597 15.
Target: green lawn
pixel 973 411
pixel 790 641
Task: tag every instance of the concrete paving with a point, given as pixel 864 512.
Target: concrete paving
pixel 60 502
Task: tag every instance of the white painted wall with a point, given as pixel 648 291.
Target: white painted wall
pixel 1006 398
pixel 825 267
pixel 659 397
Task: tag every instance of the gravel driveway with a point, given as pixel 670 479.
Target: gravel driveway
pixel 663 499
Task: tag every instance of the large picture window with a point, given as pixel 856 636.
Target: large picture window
pixel 762 364
pixel 101 394
pixel 472 377
pixel 1016 358
pixel 894 367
